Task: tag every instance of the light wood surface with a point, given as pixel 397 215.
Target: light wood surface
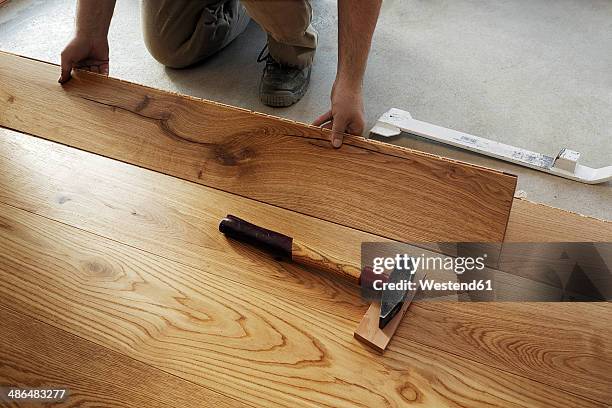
pixel 129 262
pixel 169 217
pixel 37 355
pixel 367 185
pixel 368 330
pixel 238 340
pixel 562 344
pixel 177 220
pixel 317 259
pixel 532 222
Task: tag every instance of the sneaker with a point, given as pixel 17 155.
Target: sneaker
pixel 281 85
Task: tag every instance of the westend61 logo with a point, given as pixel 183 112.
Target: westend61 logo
pixel 459 265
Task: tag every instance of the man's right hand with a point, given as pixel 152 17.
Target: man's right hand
pixel 88 53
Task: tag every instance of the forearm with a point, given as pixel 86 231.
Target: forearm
pixel 357 21
pixel 93 17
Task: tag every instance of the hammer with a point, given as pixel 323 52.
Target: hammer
pixel 284 247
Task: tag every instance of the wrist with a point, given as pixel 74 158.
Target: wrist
pixel 91 34
pixel 352 83
pixel 344 91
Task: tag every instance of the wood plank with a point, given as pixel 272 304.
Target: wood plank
pixel 567 344
pixel 170 217
pixel 238 340
pixel 371 335
pixel 369 332
pixel 177 220
pixel 532 222
pixel 367 185
pixel 37 355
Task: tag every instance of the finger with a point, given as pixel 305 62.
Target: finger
pixel 90 61
pixel 84 67
pixel 66 69
pixel 355 129
pixel 326 117
pixel 104 69
pixel 93 65
pixel 358 126
pixel 338 130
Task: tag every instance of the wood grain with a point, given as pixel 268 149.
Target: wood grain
pixel 36 355
pixel 315 258
pixel 232 338
pixel 368 331
pixel 567 344
pixel 532 222
pixel 170 217
pixel 174 219
pixel 371 186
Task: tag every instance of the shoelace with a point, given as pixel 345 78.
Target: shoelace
pixel 267 57
pixel 261 57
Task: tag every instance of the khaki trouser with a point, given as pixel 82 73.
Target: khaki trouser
pixel 179 33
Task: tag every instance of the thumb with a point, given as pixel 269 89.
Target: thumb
pixel 66 69
pixel 338 128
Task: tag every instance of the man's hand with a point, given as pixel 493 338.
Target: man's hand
pixel 356 23
pixel 86 53
pixel 346 114
pixel 89 48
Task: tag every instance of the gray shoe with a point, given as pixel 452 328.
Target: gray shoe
pixel 282 85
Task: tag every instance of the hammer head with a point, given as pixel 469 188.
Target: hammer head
pixel 392 300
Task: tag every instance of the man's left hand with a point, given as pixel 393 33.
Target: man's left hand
pixel 346 114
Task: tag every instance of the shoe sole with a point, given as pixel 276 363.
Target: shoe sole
pixel 280 99
pixel 283 99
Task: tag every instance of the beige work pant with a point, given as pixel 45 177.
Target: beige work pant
pixel 179 33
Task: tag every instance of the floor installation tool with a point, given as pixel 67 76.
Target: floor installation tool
pixel 566 165
pixel 382 318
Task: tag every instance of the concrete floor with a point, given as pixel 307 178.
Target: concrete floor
pixel 532 73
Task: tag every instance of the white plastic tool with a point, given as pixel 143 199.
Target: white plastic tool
pixel 395 121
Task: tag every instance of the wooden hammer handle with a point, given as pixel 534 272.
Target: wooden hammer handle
pixel 282 246
pixel 305 255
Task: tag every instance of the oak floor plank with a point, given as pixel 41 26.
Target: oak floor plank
pixel 174 219
pixel 241 341
pixel 170 217
pixel 371 186
pixel 532 222
pixel 37 355
pixel 568 345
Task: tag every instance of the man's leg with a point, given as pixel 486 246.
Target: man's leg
pixel 291 38
pixel 292 43
pixel 179 33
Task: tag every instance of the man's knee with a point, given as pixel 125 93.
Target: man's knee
pixel 166 26
pixel 168 52
pixel 179 33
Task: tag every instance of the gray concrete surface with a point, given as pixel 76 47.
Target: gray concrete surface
pixel 533 73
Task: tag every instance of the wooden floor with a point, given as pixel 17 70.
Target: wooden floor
pixel 117 284
pixel 275 161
